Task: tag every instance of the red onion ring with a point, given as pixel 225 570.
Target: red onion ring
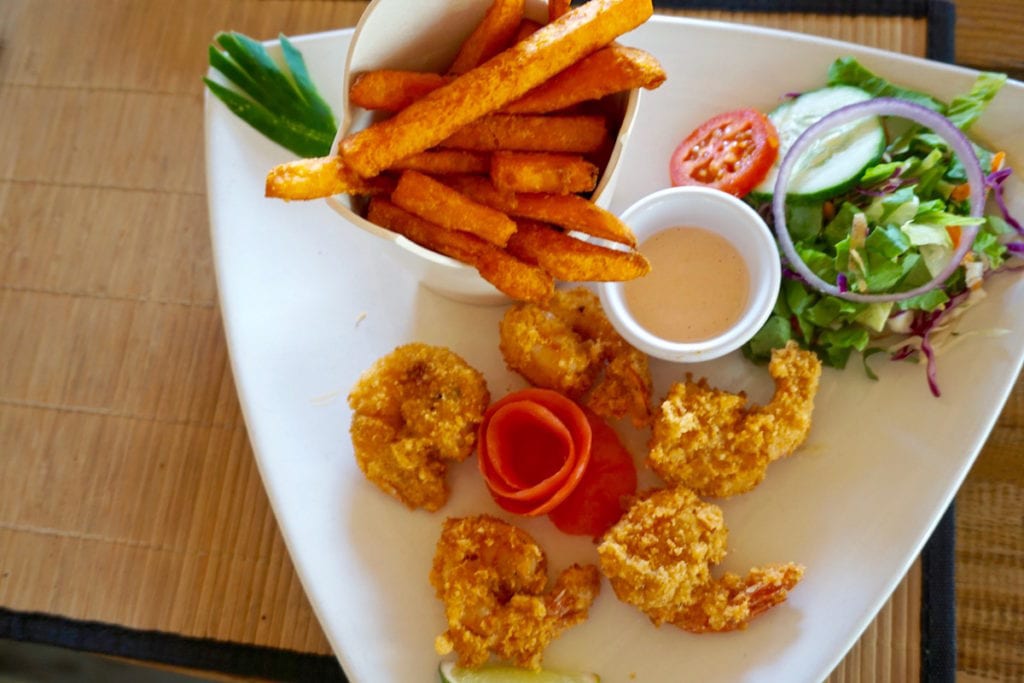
pixel 883 106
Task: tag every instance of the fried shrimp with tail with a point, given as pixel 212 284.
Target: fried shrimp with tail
pixel 491 577
pixel 713 442
pixel 659 556
pixel 416 410
pixel 567 344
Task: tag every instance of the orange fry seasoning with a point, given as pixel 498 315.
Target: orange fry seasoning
pixel 557 8
pixel 392 90
pixel 574 213
pixel 518 279
pixel 579 134
pixel 527 27
pixel 318 178
pixel 508 274
pixel 495 32
pixel 568 211
pixel 482 190
pixel 460 246
pixel 571 259
pixel 609 70
pixel 440 204
pixel 493 84
pixel 542 172
pixel 446 161
pixel 612 69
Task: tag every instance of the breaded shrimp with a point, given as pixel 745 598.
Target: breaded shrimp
pixel 712 442
pixel 566 344
pixel 491 577
pixel 659 555
pixel 729 603
pixel 416 410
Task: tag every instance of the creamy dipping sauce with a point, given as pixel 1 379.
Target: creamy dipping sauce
pixel 697 289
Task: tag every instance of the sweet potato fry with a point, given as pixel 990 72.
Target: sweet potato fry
pixel 455 244
pixel 485 89
pixel 571 212
pixel 517 279
pixel 319 178
pixel 574 213
pixel 433 201
pixel 542 172
pixel 493 34
pixel 391 89
pixel 527 27
pixel 579 134
pixel 557 8
pixel 609 70
pixel 445 161
pixel 573 260
pixel 481 189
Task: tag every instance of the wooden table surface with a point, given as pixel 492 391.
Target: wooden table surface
pixel 128 491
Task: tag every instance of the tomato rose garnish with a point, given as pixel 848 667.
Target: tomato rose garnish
pixel 732 152
pixel 601 497
pixel 533 448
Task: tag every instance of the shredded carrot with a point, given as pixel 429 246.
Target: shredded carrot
pixel 960 192
pixel 998 159
pixel 828 210
pixel 954 234
pixel 973 275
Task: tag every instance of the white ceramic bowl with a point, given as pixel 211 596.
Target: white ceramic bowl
pixel 424 36
pixel 723 215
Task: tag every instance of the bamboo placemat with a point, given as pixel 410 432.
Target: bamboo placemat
pixel 128 491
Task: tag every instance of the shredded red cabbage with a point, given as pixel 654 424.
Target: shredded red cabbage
pixel 932 372
pixel 793 275
pixel 994 181
pixel 923 324
pixel 902 353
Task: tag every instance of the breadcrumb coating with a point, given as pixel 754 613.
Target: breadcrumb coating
pixel 661 551
pixel 568 344
pixel 659 558
pixel 416 410
pixel 713 442
pixel 491 577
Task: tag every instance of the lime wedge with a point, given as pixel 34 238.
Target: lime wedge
pixel 507 674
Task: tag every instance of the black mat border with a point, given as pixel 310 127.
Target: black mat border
pixel 938 602
pixel 940 14
pixel 174 650
pixel 938 596
pixel 888 8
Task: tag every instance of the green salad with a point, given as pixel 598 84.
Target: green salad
pixel 879 207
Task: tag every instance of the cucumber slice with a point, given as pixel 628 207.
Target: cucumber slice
pixel 506 674
pixel 836 162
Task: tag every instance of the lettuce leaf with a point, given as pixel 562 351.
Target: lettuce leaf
pixel 848 71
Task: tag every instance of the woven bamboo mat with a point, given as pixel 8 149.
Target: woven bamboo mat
pixel 128 491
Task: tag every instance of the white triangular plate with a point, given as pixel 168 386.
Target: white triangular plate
pixel 309 302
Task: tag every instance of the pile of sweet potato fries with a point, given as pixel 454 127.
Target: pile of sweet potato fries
pixel 489 163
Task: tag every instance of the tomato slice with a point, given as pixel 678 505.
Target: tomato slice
pixel 601 496
pixel 731 152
